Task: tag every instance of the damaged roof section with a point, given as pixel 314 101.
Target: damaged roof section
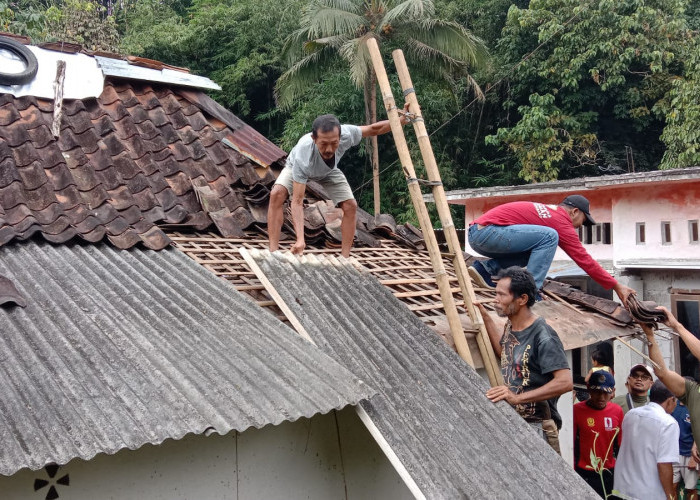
pixel 123 164
pixel 116 349
pixel 431 407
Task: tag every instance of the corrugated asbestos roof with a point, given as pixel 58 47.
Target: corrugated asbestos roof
pixel 117 349
pixel 431 406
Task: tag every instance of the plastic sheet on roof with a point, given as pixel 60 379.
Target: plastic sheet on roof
pixel 83 77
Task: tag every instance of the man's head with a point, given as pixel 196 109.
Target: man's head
pixel 601 387
pixel 639 380
pixel 325 133
pixel 579 210
pixel 660 394
pixel 515 289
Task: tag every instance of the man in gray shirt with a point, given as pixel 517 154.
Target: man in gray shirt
pixel 315 158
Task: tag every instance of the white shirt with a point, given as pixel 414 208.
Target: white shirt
pixel 649 437
pixel 307 163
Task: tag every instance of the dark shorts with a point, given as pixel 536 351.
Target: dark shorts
pixel 594 481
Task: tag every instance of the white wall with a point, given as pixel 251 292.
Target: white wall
pixel 318 458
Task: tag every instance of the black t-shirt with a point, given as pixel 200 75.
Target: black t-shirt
pixel 528 358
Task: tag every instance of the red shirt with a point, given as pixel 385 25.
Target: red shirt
pixel 556 217
pixel 588 421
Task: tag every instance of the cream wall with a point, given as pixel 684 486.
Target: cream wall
pixel 318 458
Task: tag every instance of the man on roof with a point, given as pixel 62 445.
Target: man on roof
pixel 523 233
pixel 533 362
pixel 315 158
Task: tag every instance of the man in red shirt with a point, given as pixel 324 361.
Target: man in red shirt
pixel 597 426
pixel 526 234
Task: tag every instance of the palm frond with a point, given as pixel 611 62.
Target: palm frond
pixel 294 46
pixel 297 79
pixel 322 20
pixel 451 39
pixel 409 10
pixel 356 54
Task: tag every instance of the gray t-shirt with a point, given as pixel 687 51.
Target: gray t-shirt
pixel 306 162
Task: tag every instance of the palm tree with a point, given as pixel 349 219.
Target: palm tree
pixel 332 28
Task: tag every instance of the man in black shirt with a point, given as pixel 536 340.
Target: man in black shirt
pixel 533 361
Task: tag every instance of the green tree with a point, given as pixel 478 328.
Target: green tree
pixel 84 22
pixel 332 29
pixel 593 83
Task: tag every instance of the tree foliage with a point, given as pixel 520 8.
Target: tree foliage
pixel 571 87
pixel 593 70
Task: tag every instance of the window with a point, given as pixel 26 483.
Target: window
pixel 641 233
pixel 607 233
pixel 598 230
pixel 693 231
pixel 666 233
pixel 685 305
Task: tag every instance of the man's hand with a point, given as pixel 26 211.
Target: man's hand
pixel 405 114
pixel 502 393
pixel 671 322
pixel 623 292
pixel 694 453
pixel 298 247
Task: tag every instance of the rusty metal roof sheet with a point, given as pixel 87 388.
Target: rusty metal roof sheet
pixel 431 406
pixel 116 349
pixel 124 164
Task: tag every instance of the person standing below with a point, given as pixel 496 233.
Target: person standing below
pixel 685 468
pixel 686 390
pixel 315 158
pixel 644 469
pixel 598 361
pixel 638 383
pixel 533 361
pixel 523 233
pixel 597 431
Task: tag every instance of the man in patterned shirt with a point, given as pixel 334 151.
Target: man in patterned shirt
pixel 533 361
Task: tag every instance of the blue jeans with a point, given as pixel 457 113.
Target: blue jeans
pixel 521 245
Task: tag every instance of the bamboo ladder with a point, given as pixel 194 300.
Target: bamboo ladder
pixel 490 362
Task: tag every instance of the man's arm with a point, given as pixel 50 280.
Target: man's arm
pixel 690 340
pixel 561 383
pixel 383 126
pixel 298 191
pixel 666 477
pixel 674 382
pixel 491 328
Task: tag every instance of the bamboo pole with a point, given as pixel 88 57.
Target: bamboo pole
pixel 417 198
pixel 491 363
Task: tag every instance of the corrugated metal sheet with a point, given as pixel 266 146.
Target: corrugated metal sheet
pixel 117 349
pixel 431 406
pixel 122 69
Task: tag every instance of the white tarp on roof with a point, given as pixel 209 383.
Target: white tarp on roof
pixel 83 77
pixel 85 74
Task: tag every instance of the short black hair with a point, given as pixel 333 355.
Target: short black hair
pixel 521 283
pixel 325 123
pixel 598 357
pixel 659 392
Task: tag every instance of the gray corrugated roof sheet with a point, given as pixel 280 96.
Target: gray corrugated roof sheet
pixel 117 349
pixel 431 406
